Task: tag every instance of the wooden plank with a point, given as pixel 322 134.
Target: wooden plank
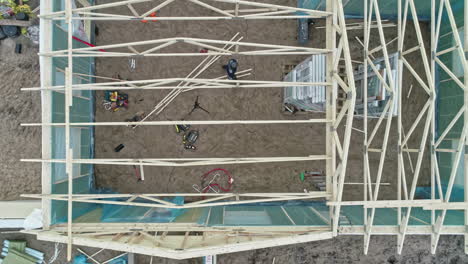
pixel 14 22
pixel 118 236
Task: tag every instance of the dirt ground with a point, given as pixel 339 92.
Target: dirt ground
pixel 17 71
pixel 22 70
pixel 341 250
pixel 232 104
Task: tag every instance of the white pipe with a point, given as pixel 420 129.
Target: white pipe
pixel 186 122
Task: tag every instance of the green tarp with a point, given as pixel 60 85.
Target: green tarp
pixel 17 254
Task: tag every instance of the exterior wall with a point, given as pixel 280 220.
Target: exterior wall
pixel 355 8
pixel 258 215
pixel 82 138
pixel 450 98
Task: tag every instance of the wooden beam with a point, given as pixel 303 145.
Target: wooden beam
pixel 466 120
pixel 14 22
pixel 68 143
pixel 330 108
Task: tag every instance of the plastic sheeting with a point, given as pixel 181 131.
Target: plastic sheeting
pixel 260 214
pixel 266 214
pixel 139 214
pixel 82 139
pixel 387 8
pixel 449 101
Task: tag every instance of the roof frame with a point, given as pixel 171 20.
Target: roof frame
pixel 336 48
pixel 243 10
pixel 406 198
pixel 221 48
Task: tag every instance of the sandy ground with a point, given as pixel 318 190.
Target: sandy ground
pixel 348 249
pixel 232 104
pixel 411 107
pixel 344 249
pixel 216 141
pixel 17 71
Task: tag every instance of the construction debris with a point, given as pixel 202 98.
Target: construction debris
pixel 215 181
pixel 119 148
pixel 83 258
pixel 14 18
pixel 16 252
pixel 316 177
pixel 114 100
pixel 136 118
pixel 189 139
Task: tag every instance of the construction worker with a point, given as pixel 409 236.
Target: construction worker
pixel 231 68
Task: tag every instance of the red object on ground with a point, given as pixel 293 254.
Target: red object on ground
pixel 151 15
pixel 137 173
pixel 87 43
pixel 229 182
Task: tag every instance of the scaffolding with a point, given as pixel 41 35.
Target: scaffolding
pixel 186 240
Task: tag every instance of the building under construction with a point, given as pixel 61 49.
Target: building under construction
pixel 346 117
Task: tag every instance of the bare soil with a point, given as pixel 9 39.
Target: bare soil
pixel 22 70
pixel 223 104
pixel 234 104
pixel 341 250
pixel 17 142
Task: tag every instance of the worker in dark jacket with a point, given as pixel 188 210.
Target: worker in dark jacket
pixel 231 68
